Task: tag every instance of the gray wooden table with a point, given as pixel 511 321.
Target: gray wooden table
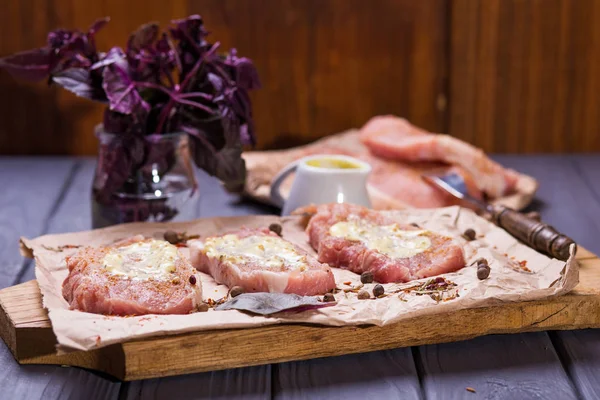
pixel 51 195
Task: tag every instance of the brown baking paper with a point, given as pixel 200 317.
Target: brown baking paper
pixel 263 166
pixel 507 282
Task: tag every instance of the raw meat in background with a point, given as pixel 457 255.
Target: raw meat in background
pixel 395 182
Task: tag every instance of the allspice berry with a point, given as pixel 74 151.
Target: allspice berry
pixel 171 237
pixel 366 277
pixel 236 291
pixel 363 295
pixel 328 298
pixel 378 290
pixel 483 272
pixel 203 307
pixel 469 234
pixel 276 228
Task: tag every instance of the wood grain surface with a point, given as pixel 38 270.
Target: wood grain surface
pixel 525 75
pixel 27 332
pixel 388 374
pixel 567 183
pixel 32 191
pixel 580 350
pixel 488 361
pixel 48 179
pixel 518 76
pixel 326 65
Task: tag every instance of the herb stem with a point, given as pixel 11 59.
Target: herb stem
pixel 192 104
pixel 151 85
pixel 177 97
pixel 195 94
pixel 167 110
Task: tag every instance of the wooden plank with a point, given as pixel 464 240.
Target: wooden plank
pixel 51 120
pixel 564 199
pixel 325 65
pixel 74 211
pixel 51 382
pixel 378 57
pixel 524 75
pixel 24 213
pixel 534 316
pixel 561 188
pixel 496 367
pixel 588 168
pixel 580 350
pixel 222 349
pixel 33 189
pixel 276 36
pixel 241 383
pixel 30 190
pixel 388 374
pixel 214 201
pixel 174 385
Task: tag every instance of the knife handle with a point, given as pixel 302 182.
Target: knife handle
pixel 537 235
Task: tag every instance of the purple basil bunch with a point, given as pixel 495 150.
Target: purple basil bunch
pixel 163 82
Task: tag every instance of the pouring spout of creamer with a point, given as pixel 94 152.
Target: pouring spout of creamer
pixel 322 179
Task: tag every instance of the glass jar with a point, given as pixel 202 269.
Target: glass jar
pixel 143 178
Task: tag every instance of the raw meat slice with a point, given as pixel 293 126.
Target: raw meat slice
pixel 136 276
pixel 258 260
pixel 359 239
pixel 395 138
pixel 391 185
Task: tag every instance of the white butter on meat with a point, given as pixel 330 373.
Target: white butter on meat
pixel 270 252
pixel 387 239
pixel 142 260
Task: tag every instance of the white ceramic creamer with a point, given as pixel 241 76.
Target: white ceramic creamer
pixel 323 179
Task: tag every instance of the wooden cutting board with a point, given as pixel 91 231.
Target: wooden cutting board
pixel 26 329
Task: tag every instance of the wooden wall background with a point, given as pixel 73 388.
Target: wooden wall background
pixel 507 75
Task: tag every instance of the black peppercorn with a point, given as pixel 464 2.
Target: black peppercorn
pixel 328 298
pixel 192 279
pixel 366 277
pixel 378 290
pixel 483 272
pixel 275 228
pixel 469 234
pixel 236 291
pixel 171 237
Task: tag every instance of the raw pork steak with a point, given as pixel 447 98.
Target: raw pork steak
pixel 260 261
pixel 133 277
pixel 359 239
pixel 395 138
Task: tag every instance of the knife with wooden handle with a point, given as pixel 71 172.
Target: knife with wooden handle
pixel 536 234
